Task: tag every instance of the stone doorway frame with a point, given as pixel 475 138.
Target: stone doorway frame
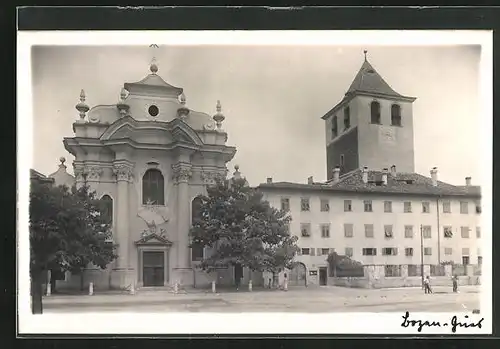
pixel 153 243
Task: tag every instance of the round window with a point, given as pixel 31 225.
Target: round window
pixel 153 110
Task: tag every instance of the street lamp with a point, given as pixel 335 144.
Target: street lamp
pixel 422 254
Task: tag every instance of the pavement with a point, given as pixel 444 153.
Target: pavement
pixel 296 299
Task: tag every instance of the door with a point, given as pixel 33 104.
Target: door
pixel 238 274
pixel 322 276
pixel 153 268
pixel 465 260
pixel 297 275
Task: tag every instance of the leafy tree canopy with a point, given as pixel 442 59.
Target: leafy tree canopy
pixel 67 229
pixel 237 226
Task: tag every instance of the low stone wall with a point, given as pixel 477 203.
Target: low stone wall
pixel 375 278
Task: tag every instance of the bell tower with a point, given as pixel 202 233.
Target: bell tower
pixel 371 126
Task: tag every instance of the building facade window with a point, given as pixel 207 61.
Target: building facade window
pixel 464 207
pixel 325 205
pixel 392 270
pixel 448 232
pixel 387 206
pixel 325 251
pixel 465 260
pixel 349 251
pixel 464 232
pixel 427 232
pixel 428 251
pixel 388 234
pixel 369 251
pixel 407 206
pixel 478 207
pixel 348 230
pixel 285 204
pixel 347 118
pixel 325 230
pixel 107 209
pixel 369 230
pixel 409 251
pixel 368 206
pixel 389 251
pixel 305 229
pixel 395 115
pixel 153 188
pixel 426 207
pixel 409 231
pixel 347 205
pixel 335 131
pixel 305 251
pixel 414 270
pixel 478 232
pixel 375 112
pixel 479 260
pixel 304 205
pixel 446 207
pixel 448 251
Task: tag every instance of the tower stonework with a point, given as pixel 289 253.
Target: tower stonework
pixel 372 126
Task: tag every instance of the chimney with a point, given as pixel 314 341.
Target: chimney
pixel 310 180
pixel 384 176
pixel 468 181
pixel 434 176
pixel 269 180
pixel 393 170
pixel 336 174
pixel 365 174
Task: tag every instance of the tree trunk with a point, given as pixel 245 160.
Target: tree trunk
pixel 36 292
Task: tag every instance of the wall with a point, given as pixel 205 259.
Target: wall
pixel 375 278
pixel 376 150
pixel 336 217
pixel 346 144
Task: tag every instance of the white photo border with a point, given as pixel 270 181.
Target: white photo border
pixel 247 323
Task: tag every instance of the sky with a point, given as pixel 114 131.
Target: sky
pixel 273 98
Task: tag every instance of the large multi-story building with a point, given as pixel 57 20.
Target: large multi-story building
pixel 374 208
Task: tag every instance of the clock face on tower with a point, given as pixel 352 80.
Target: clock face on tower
pixel 387 134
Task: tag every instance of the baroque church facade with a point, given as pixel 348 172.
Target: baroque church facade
pixel 148 156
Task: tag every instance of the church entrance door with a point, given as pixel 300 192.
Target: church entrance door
pixel 153 268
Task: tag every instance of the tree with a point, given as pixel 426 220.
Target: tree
pixel 67 231
pixel 344 265
pixel 238 227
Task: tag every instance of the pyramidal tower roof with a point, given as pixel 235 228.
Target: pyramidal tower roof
pixel 368 80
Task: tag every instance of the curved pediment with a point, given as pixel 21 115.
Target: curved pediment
pixel 152 132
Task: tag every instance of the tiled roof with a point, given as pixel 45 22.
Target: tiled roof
pixel 401 183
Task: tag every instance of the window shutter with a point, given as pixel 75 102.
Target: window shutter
pixel 318 252
pixel 312 251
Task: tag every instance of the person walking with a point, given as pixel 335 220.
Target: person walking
pixel 455 283
pixel 427 285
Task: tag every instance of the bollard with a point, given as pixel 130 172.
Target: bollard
pixel 213 286
pixel 250 285
pixel 176 287
pixel 49 283
pixel 91 289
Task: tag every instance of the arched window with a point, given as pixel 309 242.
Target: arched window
pixel 347 118
pixel 196 250
pixel 107 208
pixel 396 115
pixel 375 112
pixel 335 131
pixel 153 188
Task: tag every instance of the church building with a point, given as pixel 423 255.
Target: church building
pixel 148 156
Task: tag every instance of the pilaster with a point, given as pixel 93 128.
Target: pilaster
pixel 181 175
